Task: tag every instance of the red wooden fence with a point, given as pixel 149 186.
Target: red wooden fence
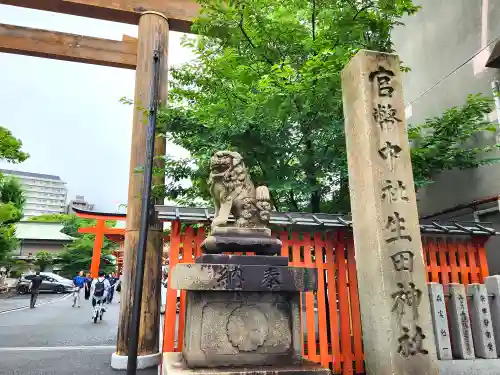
pixel 331 320
pixel 452 260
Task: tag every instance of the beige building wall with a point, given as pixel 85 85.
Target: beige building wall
pixel 446 45
pixel 35 247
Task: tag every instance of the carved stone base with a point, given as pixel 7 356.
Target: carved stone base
pixel 244 277
pixel 242 329
pixel 230 239
pixel 174 364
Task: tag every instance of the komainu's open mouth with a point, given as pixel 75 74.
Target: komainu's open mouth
pixel 220 164
pixel 219 168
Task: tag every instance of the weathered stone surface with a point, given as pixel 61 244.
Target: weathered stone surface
pixel 174 364
pixel 243 259
pixel 397 332
pixel 240 329
pixel 241 232
pixel 473 367
pixel 493 287
pixel 440 321
pixel 482 326
pixel 462 345
pixel 259 244
pixel 250 278
pixel 233 192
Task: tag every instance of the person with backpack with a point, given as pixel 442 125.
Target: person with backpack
pixel 100 289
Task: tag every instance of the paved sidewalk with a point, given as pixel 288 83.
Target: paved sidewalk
pixel 19 302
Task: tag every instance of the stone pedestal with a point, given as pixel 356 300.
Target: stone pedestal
pixel 242 315
pixel 230 239
pixel 174 364
pixel 246 328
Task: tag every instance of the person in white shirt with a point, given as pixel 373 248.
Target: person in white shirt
pixel 99 289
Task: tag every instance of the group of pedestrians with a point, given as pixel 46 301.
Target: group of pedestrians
pixel 101 288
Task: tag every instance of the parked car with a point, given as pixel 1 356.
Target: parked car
pixel 50 283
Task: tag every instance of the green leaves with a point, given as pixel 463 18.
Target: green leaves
pixel 78 254
pixel 266 83
pixel 43 259
pixel 10 147
pixel 11 211
pixel 11 195
pixel 450 140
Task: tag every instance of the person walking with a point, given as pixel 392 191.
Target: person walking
pixel 113 279
pixel 100 289
pixel 35 289
pixel 88 285
pixel 78 284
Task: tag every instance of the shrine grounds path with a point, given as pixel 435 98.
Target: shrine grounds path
pixel 56 339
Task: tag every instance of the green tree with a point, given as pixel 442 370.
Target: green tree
pixel 11 196
pixel 78 256
pixel 43 259
pixel 10 147
pixel 11 211
pixel 266 83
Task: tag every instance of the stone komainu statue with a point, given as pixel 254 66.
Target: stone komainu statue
pixel 233 192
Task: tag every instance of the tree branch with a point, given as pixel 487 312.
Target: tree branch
pixel 293 201
pixel 313 20
pixel 269 36
pixel 250 40
pixel 369 5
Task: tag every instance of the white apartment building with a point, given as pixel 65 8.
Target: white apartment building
pixel 45 194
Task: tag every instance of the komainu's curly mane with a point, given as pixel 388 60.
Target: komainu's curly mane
pixel 230 183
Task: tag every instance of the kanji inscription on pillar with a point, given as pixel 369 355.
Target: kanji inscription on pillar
pixel 395 309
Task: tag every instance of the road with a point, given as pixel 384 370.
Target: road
pixel 20 302
pixel 57 339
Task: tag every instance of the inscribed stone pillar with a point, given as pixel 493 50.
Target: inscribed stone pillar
pixel 493 287
pixel 482 327
pixel 440 321
pixel 153 35
pixel 397 331
pixel 462 345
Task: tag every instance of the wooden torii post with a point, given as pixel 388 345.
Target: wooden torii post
pixel 155 18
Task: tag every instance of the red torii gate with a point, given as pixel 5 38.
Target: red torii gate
pixel 99 230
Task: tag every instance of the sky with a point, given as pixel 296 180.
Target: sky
pixel 68 115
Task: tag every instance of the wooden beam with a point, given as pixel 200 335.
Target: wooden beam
pixel 180 13
pixel 68 47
